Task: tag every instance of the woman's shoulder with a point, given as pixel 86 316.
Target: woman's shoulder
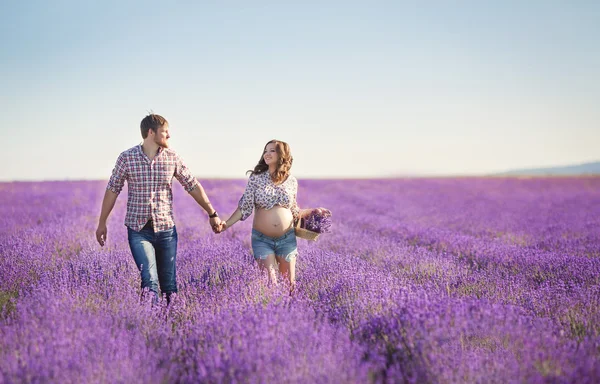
pixel 292 179
pixel 255 176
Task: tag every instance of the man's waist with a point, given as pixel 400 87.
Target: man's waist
pixel 146 208
pixel 157 197
pixel 143 219
pixel 150 224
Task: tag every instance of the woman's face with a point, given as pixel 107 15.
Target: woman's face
pixel 270 155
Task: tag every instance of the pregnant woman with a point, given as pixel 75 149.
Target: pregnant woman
pixel 272 190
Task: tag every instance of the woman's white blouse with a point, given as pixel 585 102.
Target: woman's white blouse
pixel 263 193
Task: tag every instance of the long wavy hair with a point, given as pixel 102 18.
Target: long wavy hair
pixel 284 164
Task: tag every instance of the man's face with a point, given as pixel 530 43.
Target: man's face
pixel 162 136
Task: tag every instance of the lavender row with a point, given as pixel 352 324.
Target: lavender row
pixel 399 291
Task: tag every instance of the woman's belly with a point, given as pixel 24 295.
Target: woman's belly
pixel 274 222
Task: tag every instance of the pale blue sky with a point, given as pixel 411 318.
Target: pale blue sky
pixel 358 89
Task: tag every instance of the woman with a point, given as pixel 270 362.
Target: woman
pixel 272 190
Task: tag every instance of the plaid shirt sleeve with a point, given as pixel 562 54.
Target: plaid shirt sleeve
pixel 184 176
pixel 119 175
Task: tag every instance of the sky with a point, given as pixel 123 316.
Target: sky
pixel 358 89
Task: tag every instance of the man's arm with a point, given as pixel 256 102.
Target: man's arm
pixel 202 199
pixel 108 204
pixel 194 188
pixel 114 187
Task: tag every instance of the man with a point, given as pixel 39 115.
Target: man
pixel 149 169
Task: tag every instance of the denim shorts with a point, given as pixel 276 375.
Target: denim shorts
pixel 284 246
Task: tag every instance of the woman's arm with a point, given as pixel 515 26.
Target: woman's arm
pixel 299 213
pixel 234 218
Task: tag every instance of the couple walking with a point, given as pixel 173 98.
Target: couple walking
pixel 149 169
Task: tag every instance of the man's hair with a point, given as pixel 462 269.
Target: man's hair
pixel 152 122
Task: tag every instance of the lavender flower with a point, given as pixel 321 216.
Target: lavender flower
pixel 317 221
pixel 472 280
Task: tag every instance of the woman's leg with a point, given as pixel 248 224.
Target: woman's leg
pixel 286 251
pixel 263 248
pixel 287 269
pixel 268 264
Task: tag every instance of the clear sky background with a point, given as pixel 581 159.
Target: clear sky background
pixel 358 89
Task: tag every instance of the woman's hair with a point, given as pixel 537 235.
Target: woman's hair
pixel 283 164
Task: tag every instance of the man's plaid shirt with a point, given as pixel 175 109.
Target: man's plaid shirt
pixel 149 186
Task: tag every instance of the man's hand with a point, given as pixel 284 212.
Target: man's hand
pixel 101 233
pixel 215 224
pixel 221 227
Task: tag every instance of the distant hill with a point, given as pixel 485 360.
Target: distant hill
pixel 569 170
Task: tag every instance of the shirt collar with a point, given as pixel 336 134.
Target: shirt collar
pixel 141 151
pixel 160 149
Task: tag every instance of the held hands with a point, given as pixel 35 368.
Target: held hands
pixel 218 225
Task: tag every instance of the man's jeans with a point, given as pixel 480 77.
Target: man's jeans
pixel 155 254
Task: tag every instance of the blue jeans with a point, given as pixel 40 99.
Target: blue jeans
pixel 155 254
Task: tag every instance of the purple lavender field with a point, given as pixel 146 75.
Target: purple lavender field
pixel 474 280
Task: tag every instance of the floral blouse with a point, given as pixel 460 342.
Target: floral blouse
pixel 263 193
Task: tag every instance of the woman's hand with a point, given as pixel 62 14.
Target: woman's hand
pixel 304 213
pixel 322 211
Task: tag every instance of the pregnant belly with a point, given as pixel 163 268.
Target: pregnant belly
pixel 273 222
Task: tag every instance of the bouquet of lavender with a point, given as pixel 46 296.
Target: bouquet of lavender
pixel 319 221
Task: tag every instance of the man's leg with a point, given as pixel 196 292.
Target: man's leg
pixel 144 255
pixel 166 256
